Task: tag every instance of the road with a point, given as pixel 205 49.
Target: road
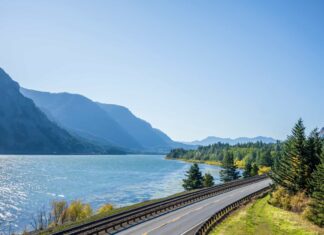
pixel 181 221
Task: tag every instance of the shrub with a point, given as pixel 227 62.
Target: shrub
pixel 280 198
pixel 86 211
pixel 74 210
pixel 240 164
pixel 298 202
pixel 264 170
pixel 59 212
pixel 77 211
pixel 105 208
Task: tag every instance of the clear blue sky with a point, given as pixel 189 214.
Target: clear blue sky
pixel 191 68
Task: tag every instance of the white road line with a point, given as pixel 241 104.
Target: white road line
pixel 189 212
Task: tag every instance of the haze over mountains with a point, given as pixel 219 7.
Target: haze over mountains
pixel 25 129
pixel 47 123
pixel 241 140
pixel 108 124
pixel 38 122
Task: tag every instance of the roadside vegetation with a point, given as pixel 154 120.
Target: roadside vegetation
pixel 46 224
pixel 64 213
pixel 262 218
pixel 296 167
pixel 296 202
pixel 299 175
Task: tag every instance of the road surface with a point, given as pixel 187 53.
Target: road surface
pixel 181 221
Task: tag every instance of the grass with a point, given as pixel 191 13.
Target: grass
pixel 260 218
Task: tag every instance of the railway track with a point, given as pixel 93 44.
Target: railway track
pixel 114 223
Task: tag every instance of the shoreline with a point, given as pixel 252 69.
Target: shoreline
pixel 207 162
pixel 212 163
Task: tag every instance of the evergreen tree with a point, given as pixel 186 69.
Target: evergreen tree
pixel 314 151
pixel 265 159
pixel 290 172
pixel 254 170
pixel 317 202
pixel 247 170
pixel 208 180
pixel 229 171
pixel 194 179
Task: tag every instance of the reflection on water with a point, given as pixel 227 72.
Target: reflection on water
pixel 29 183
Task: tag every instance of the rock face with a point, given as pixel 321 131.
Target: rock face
pixel 99 123
pixel 24 129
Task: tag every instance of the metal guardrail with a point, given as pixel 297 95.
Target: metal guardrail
pixel 114 223
pixel 210 224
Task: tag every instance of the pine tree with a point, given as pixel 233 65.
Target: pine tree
pixel 254 170
pixel 194 179
pixel 229 171
pixel 265 159
pixel 314 151
pixel 208 180
pixel 247 170
pixel 317 202
pixel 290 172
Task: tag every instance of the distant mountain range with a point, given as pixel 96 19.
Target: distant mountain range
pixel 62 123
pixel 99 123
pixel 35 122
pixel 241 140
pixel 25 129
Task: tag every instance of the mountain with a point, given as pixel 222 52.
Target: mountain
pixel 241 140
pixel 150 138
pixel 101 123
pixel 24 129
pixel 83 117
pixel 322 132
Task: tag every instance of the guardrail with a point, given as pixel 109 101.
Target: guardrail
pixel 120 221
pixel 218 217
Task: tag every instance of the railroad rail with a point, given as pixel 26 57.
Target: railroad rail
pixel 114 223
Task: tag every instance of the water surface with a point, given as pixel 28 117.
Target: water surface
pixel 30 183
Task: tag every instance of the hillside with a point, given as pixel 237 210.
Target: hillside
pixel 107 124
pixel 150 138
pixel 24 129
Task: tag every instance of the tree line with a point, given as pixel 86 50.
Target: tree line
pixel 298 174
pixel 254 158
pixel 297 169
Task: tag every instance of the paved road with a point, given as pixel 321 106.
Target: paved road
pixel 181 221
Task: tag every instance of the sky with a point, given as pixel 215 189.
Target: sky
pixel 191 68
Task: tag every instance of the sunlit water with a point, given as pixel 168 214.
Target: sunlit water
pixel 30 183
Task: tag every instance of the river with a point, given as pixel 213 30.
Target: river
pixel 29 183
